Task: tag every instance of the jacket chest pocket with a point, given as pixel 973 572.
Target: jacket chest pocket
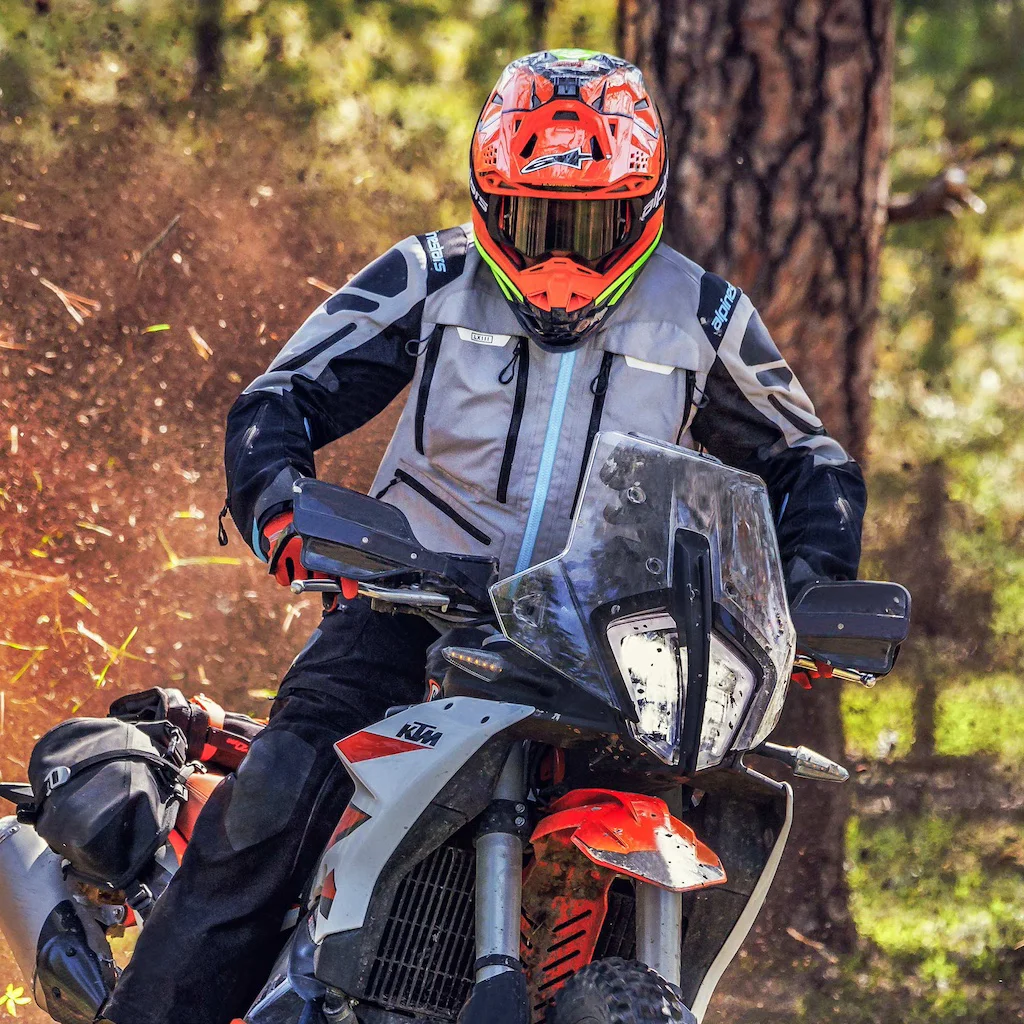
pixel 470 399
pixel 645 386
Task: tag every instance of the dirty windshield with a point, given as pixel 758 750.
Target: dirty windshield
pixel 638 492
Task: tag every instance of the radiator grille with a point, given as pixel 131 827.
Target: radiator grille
pixel 425 960
pixel 618 933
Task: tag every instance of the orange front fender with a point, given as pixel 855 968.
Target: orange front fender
pixel 633 835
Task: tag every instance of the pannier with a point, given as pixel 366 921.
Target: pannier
pixel 107 791
pixel 106 794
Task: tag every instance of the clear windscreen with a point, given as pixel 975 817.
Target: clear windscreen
pixel 594 606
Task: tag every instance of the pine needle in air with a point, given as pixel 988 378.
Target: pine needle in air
pixel 322 285
pixel 175 561
pixel 83 601
pixel 78 306
pixel 202 347
pixel 102 530
pixel 115 655
pixel 18 222
pixel 32 659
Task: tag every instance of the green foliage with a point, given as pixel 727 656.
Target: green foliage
pixel 378 97
pixel 949 388
pixel 974 715
pixel 983 715
pixel 940 895
pixel 879 722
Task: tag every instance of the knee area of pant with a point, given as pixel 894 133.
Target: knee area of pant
pixel 269 788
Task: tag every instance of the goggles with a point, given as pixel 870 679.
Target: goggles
pixel 588 231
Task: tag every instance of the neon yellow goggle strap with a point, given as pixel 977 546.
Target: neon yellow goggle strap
pixel 618 287
pixel 569 53
pixel 509 290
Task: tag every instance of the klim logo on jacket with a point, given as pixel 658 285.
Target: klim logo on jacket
pixel 420 732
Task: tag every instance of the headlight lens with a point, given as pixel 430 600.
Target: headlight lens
pixel 730 687
pixel 646 649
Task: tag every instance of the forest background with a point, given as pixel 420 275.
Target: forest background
pixel 180 182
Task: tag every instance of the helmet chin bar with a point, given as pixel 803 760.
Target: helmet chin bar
pixel 555 330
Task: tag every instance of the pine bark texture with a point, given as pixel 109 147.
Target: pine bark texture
pixel 777 118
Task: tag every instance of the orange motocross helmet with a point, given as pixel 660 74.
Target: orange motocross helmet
pixel 567 174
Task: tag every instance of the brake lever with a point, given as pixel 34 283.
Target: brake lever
pixel 315 587
pixel 846 675
pixel 401 598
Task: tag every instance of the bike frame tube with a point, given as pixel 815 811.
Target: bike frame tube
pixel 499 878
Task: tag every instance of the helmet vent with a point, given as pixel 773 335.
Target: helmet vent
pixel 641 105
pixel 490 156
pixel 565 115
pixel 527 151
pixel 595 148
pixel 638 161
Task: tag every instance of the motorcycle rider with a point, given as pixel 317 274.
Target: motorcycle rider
pixel 557 312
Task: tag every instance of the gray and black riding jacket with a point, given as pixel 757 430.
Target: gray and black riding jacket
pixel 488 455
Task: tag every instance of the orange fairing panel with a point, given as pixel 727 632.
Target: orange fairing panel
pixel 636 836
pixel 200 788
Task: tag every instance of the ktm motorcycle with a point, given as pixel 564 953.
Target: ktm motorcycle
pixel 568 828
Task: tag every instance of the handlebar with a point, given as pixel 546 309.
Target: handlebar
pixel 409 598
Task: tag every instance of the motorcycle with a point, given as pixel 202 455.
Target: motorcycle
pixel 568 827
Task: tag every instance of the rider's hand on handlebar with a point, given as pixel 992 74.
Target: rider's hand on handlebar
pixel 285 546
pixel 803 676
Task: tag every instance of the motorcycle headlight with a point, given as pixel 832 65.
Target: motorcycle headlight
pixel 646 649
pixel 730 687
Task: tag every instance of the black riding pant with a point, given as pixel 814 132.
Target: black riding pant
pixel 210 942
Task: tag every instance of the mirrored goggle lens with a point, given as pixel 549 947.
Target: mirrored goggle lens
pixel 587 229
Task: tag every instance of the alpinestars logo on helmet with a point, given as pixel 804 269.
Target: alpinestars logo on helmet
pixel 570 158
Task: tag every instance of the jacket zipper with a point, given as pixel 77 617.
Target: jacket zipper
pixel 429 365
pixel 691 383
pixel 519 367
pixel 599 387
pixel 547 460
pixel 439 503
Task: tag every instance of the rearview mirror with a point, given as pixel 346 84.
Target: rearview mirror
pixel 857 625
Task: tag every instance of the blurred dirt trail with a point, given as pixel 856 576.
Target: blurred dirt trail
pixel 111 427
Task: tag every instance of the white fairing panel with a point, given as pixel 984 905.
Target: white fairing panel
pixel 398 765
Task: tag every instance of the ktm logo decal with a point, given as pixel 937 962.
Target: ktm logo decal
pixel 570 158
pixel 420 732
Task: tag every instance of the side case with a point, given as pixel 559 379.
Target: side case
pixel 63 953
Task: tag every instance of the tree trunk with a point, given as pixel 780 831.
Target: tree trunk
pixel 777 122
pixel 207 35
pixel 930 566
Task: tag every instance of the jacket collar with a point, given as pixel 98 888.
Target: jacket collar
pixel 473 300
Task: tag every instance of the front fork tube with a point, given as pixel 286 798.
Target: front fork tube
pixel 499 872
pixel 659 930
pixel 499 890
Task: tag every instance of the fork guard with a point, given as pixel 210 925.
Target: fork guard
pixel 633 835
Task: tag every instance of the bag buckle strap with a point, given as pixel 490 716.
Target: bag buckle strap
pixel 55 777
